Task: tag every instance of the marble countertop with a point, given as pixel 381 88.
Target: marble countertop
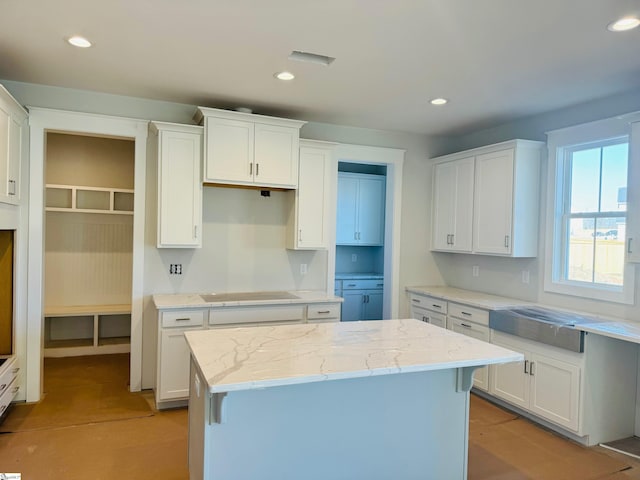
pixel 193 300
pixel 233 359
pixel 468 297
pixel 619 328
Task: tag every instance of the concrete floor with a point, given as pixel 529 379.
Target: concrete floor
pixel 80 435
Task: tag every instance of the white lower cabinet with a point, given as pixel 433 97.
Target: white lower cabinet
pixel 428 309
pixel 546 385
pixel 172 368
pixel 363 300
pixel 173 356
pixel 473 323
pixel 174 362
pixel 9 383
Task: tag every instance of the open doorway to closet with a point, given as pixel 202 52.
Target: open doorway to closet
pixel 88 247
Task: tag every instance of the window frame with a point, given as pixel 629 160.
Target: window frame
pixel 559 143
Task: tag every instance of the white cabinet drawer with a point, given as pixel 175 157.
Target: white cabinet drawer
pixel 323 310
pixel 435 318
pixel 8 395
pixel 183 318
pixel 257 314
pixel 430 303
pixel 9 371
pixel 362 284
pixel 469 313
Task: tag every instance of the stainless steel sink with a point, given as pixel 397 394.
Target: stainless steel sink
pixel 543 325
pixel 247 296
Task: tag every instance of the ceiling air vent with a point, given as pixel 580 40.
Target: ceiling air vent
pixel 311 58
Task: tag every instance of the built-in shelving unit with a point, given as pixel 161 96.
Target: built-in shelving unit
pixel 86 330
pixel 82 199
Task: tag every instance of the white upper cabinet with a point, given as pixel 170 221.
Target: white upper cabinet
pixel 179 154
pixel 361 205
pixel 500 215
pixel 13 146
pixel 249 150
pixel 633 197
pixel 309 218
pixel 453 205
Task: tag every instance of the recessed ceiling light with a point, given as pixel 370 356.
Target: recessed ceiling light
pixel 285 76
pixel 78 41
pixel 439 101
pixel 624 24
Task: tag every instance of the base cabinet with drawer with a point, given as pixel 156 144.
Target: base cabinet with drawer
pixel 9 384
pixel 173 356
pixel 172 375
pixel 363 300
pixel 428 309
pixel 472 322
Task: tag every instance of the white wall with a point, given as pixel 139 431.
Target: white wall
pixel 243 237
pixel 502 276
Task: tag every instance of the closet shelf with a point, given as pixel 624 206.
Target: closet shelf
pixel 83 199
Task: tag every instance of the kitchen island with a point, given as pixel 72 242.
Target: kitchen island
pixel 357 400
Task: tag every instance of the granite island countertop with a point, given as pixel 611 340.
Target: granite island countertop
pixel 234 359
pixel 203 300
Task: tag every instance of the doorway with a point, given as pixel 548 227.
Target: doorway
pixel 43 122
pixel 360 240
pixel 88 247
pixel 376 160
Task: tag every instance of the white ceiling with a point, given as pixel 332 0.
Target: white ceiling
pixel 496 60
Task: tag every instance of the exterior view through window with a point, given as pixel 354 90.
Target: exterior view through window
pixel 595 212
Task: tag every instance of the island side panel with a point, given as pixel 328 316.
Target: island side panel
pixel 409 426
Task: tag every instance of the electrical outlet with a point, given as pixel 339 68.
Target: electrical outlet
pixel 354 257
pixel 525 276
pixel 175 269
pixel 303 269
pixel 475 271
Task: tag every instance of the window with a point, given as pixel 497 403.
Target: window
pixel 588 216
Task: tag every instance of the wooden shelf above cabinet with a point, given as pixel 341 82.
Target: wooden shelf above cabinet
pixel 82 199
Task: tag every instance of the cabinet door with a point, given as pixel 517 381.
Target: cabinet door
pixel 479 332
pixel 444 177
pixel 371 202
pixel 229 151
pixel 509 380
pixel 372 306
pixel 276 156
pixel 14 158
pixel 179 189
pixel 633 197
pixel 493 205
pixel 312 199
pixel 173 367
pixel 353 305
pixel 347 211
pixel 5 121
pixel 453 205
pixel 555 389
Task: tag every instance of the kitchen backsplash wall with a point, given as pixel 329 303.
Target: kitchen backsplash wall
pixel 355 259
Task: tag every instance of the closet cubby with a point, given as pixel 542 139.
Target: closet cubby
pixel 89 205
